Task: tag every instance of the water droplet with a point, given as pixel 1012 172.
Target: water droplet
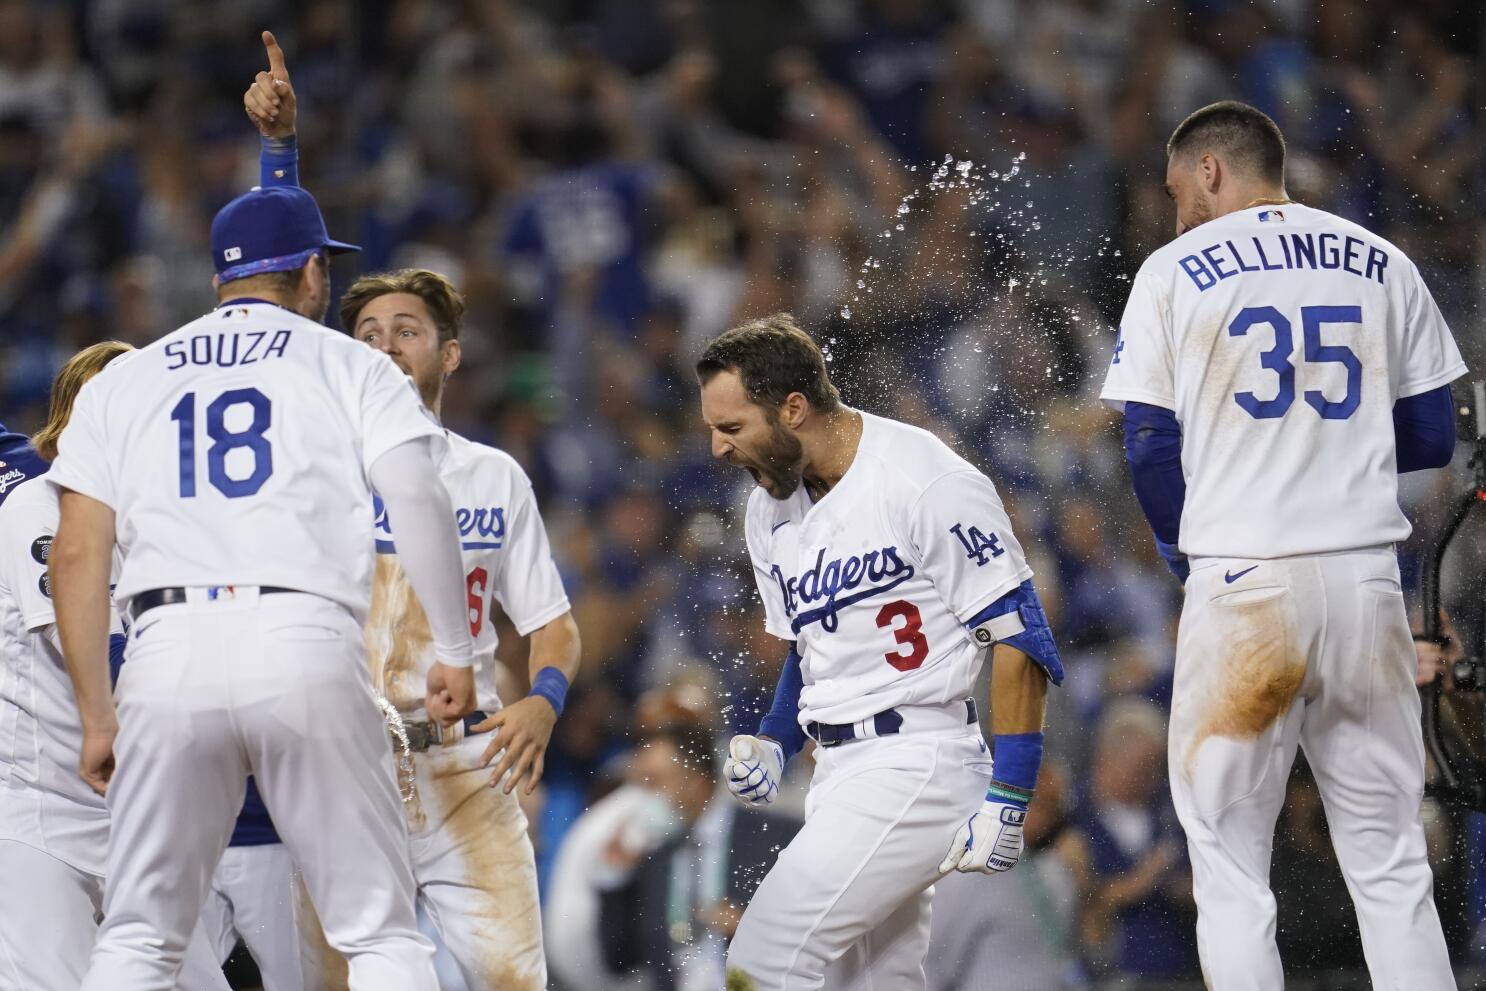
pixel 862 283
pixel 845 313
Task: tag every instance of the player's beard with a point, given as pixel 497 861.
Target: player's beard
pixel 781 461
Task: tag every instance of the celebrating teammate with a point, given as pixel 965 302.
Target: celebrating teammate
pixel 53 827
pixel 1278 367
pixel 888 564
pixel 232 462
pixel 472 859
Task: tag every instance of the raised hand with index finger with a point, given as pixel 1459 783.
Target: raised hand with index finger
pixel 270 102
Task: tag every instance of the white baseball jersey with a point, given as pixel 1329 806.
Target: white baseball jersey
pixel 507 558
pixel 876 580
pixel 1281 336
pixel 248 436
pixel 43 801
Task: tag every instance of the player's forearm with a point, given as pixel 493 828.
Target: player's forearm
pixel 555 650
pixel 419 509
pixel 1018 692
pixel 78 567
pixel 782 722
pixel 1153 446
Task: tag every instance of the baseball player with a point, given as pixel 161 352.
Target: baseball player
pixel 1278 366
pixel 472 858
pixel 18 462
pixel 888 564
pixel 53 827
pixel 231 461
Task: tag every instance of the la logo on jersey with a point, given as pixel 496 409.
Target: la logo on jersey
pixel 978 547
pixel 880 571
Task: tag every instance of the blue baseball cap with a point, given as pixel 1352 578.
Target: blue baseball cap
pixel 275 229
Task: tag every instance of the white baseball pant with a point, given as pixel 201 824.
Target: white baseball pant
pixel 1311 651
pixel 49 921
pixel 254 897
pixel 847 903
pixel 215 690
pixel 475 870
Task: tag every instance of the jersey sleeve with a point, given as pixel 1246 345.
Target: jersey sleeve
pixel 1430 357
pixel 392 412
pixel 962 535
pixel 776 617
pixel 1142 367
pixel 530 590
pixel 82 463
pixel 26 533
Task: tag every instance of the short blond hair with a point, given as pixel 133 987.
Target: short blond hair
pixel 69 382
pixel 437 292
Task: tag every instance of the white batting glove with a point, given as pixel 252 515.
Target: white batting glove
pixel 990 841
pixel 753 769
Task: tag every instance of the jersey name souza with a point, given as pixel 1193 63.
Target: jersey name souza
pixel 224 350
pixel 882 570
pixel 1284 251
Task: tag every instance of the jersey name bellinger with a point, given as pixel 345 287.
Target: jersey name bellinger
pixel 1283 251
pixel 884 569
pixel 245 347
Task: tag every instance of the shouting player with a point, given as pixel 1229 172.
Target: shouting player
pixel 53 827
pixel 472 857
pixel 233 462
pixel 888 564
pixel 1278 367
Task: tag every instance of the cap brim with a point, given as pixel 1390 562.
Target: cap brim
pixel 340 247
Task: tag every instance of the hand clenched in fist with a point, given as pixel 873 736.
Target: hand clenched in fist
pixel 753 769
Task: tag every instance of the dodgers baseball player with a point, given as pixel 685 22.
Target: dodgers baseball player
pixel 231 461
pixel 53 827
pixel 889 565
pixel 472 857
pixel 1278 366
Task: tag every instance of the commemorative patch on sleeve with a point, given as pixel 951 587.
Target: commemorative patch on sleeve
pixel 44 583
pixel 41 548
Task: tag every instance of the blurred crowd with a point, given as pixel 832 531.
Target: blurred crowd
pixel 952 196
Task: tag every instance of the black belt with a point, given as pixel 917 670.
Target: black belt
pixel 155 597
pixel 886 723
pixel 423 735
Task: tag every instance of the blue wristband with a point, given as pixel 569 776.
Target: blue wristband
pixel 1016 761
pixel 552 685
pixel 278 161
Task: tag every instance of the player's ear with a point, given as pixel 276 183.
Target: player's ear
pixel 1210 169
pixel 794 409
pixel 452 355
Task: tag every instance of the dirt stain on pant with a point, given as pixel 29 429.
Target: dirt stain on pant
pixel 398 636
pixel 490 876
pixel 1262 673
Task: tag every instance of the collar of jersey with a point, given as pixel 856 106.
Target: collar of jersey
pixel 239 300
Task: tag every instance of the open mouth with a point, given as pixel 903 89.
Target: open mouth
pixel 758 478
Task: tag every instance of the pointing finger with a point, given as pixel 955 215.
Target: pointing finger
pixel 275 57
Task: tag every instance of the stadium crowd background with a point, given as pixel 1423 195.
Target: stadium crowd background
pixel 614 181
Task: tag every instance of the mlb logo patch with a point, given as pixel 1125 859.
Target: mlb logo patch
pixel 233 254
pixel 1265 216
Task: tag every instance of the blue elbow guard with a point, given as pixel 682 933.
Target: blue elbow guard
pixel 1017 619
pixel 782 721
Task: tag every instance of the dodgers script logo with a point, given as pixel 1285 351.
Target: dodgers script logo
pixel 480 528
pixel 880 570
pixel 10 477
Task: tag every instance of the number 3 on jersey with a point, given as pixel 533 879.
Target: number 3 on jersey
pixel 910 634
pixel 225 441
